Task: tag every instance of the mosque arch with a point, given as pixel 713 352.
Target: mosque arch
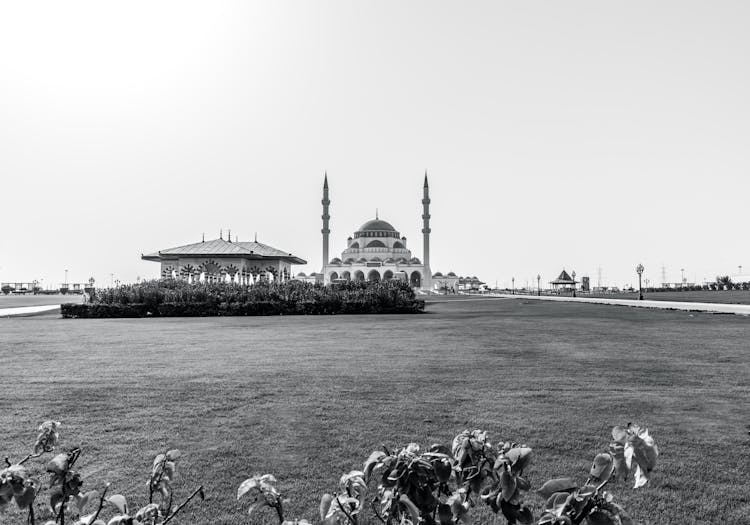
pixel 354 246
pixel 359 276
pixel 346 275
pixel 375 244
pixel 387 275
pixel 398 244
pixel 373 276
pixel 415 279
pixel 333 275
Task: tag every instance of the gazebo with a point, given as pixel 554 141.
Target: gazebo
pixel 564 282
pixel 224 260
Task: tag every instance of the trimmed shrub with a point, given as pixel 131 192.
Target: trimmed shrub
pixel 173 298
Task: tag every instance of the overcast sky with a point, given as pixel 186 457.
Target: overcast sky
pixel 555 134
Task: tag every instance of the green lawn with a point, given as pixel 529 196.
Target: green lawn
pixel 307 398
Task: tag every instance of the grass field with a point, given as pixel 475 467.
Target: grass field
pixel 307 398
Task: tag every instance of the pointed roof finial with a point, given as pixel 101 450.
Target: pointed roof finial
pixel 203 238
pixel 376 214
pixel 221 234
pixel 325 180
pixel 425 179
pixel 256 236
pixel 230 235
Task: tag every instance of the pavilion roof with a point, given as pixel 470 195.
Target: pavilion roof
pixel 224 248
pixel 564 278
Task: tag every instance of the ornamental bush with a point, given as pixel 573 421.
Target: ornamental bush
pixel 174 298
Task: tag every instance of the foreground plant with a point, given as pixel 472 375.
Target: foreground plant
pixel 15 482
pixel 265 494
pixel 440 485
pixel 568 503
pixel 345 506
pixel 66 499
pixel 633 450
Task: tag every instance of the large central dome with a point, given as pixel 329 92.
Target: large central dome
pixel 377 225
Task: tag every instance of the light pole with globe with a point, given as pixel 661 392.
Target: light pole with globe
pixel 639 269
pixel 513 286
pixel 538 284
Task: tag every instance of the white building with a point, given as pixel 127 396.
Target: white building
pixel 377 251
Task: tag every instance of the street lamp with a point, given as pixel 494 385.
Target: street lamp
pixel 682 276
pixel 639 269
pixel 513 286
pixel 573 275
pixel 66 278
pixel 538 285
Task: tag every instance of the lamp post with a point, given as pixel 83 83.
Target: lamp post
pixel 66 278
pixel 639 269
pixel 538 284
pixel 573 275
pixel 682 277
pixel 513 286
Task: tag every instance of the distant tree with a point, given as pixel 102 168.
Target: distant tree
pixel 724 282
pixel 7 289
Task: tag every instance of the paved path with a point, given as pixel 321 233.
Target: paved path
pixel 739 309
pixel 28 310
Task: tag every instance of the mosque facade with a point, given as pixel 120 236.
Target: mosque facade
pixel 377 251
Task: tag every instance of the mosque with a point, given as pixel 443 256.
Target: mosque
pixel 377 251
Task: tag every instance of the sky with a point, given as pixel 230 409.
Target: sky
pixel 583 135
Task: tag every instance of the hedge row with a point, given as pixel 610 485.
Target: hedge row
pixel 168 298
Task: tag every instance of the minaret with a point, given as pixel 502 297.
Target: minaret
pixel 325 231
pixel 426 233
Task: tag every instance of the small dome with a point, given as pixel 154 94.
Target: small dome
pixel 335 260
pixel 402 260
pixel 414 260
pixel 376 225
pixel 301 274
pixel 389 260
pixel 361 260
pixel 438 275
pixel 313 274
pixel 349 260
pixel 451 274
pixel 375 244
pixel 375 259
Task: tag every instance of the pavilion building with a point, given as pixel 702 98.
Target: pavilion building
pixel 564 282
pixel 222 260
pixel 377 251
